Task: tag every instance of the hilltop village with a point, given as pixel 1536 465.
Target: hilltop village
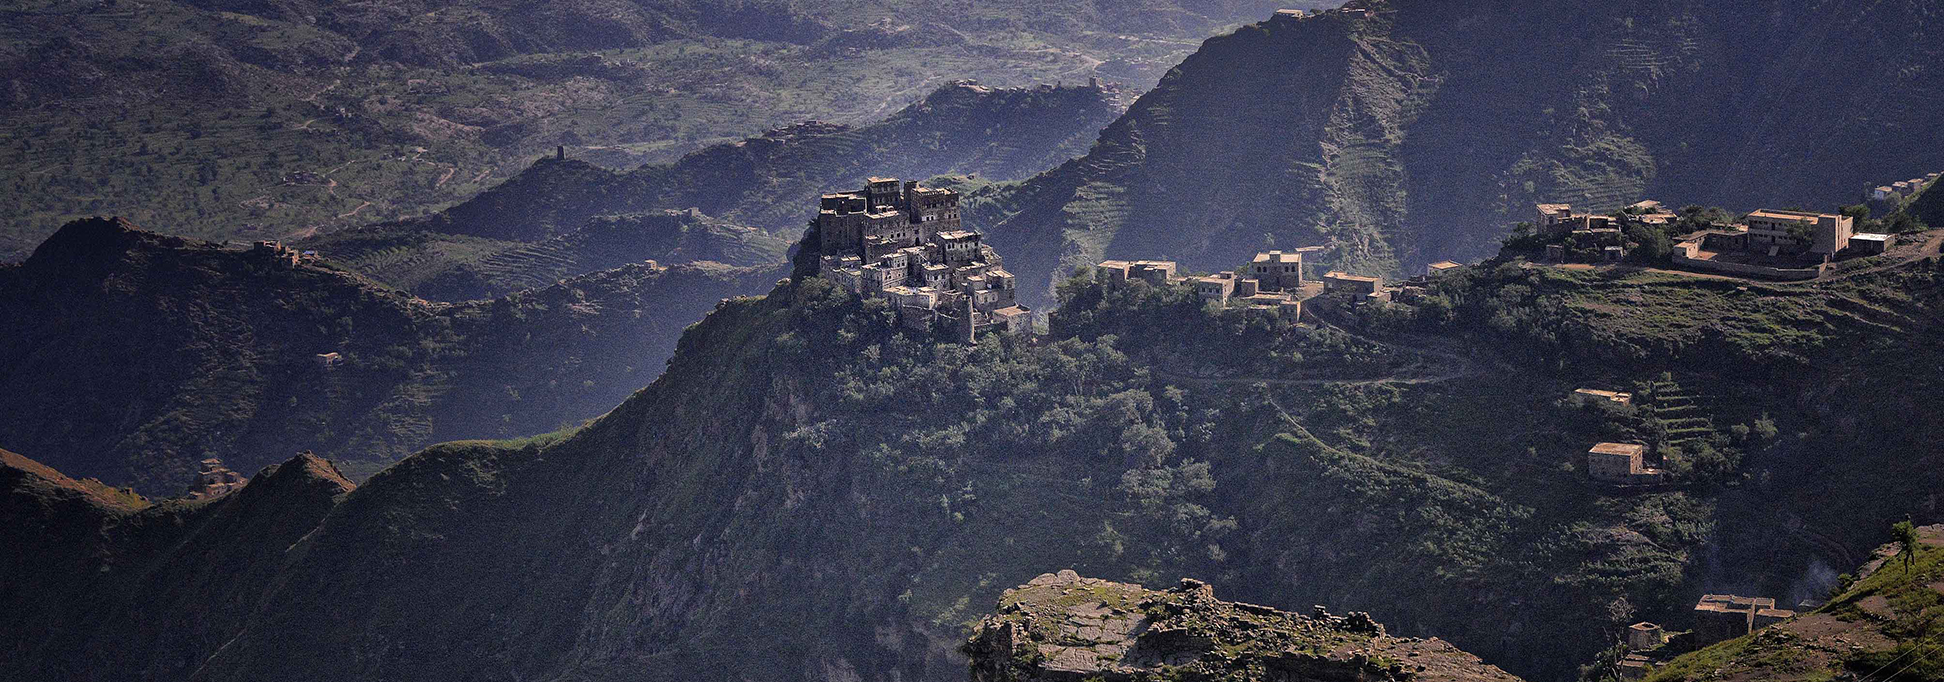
pixel 906 243
pixel 1769 244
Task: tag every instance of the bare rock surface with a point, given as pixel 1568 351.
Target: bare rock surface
pixel 1061 626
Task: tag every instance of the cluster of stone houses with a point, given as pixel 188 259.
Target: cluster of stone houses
pixel 1766 243
pixel 1717 618
pixel 1272 284
pixel 1779 244
pixel 905 243
pixel 214 480
pixel 1558 221
pixel 1902 189
pixel 282 255
pixel 1355 9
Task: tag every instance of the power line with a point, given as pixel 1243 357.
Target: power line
pixel 1913 662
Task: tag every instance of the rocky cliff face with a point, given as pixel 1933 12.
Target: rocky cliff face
pixel 1419 133
pixel 1063 627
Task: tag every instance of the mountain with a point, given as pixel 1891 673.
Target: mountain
pixel 565 217
pixel 254 120
pixel 1880 627
pixel 161 577
pixel 768 181
pixel 809 493
pixel 1416 134
pixel 129 356
pixel 452 267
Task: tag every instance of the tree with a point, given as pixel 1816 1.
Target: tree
pixel 1651 245
pixel 1905 536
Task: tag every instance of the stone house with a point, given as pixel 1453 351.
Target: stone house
pixel 1276 271
pixel 1721 617
pixel 1344 284
pixel 1616 462
pixel 1871 244
pixel 1442 267
pixel 1155 272
pixel 1216 288
pixel 1586 396
pixel 1779 232
pixel 276 252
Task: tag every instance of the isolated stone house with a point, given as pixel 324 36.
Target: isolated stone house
pixel 1616 462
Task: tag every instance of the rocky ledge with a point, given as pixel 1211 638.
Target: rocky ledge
pixel 1065 627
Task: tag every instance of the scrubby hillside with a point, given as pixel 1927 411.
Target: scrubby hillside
pixel 1884 626
pixel 274 119
pixel 110 586
pixel 1416 134
pixel 128 356
pixel 809 494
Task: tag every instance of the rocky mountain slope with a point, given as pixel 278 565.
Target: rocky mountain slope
pixel 275 119
pixel 809 494
pixel 1065 627
pixel 129 356
pixel 1417 134
pixel 160 577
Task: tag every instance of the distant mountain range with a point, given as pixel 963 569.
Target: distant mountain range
pixel 741 203
pixel 241 119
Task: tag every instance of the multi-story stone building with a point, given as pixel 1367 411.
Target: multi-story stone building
pixel 1822 234
pixel 1276 271
pixel 905 243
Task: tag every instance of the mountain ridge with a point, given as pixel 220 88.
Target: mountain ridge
pixel 1415 133
pixel 130 355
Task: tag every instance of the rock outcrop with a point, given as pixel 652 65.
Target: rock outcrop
pixel 1063 627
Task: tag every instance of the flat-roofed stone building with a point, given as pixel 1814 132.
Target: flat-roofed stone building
pixel 1721 617
pixel 1276 270
pixel 1780 232
pixel 1616 462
